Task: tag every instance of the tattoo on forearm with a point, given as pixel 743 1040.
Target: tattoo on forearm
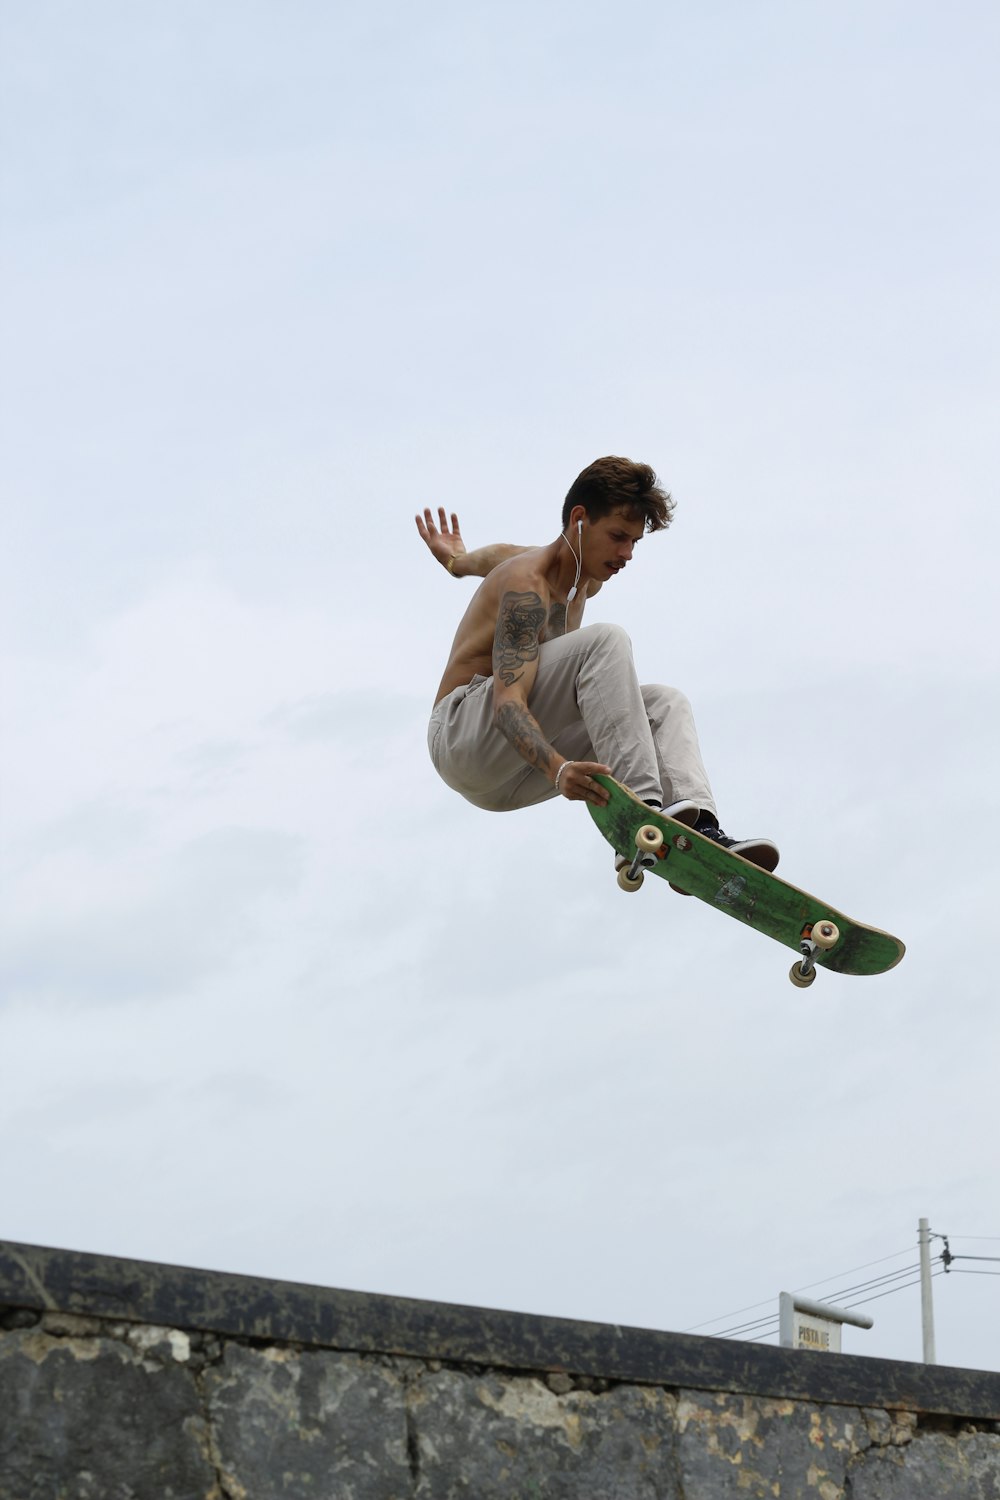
pixel 518 724
pixel 515 643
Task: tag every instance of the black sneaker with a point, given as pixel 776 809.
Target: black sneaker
pixel 760 852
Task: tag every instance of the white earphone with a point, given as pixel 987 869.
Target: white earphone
pixel 579 563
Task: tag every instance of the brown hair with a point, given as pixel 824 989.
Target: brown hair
pixel 617 483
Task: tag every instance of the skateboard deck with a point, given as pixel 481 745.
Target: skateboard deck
pixel 694 864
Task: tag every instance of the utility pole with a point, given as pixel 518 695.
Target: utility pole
pixel 926 1303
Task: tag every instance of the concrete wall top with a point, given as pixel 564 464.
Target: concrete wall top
pixel 247 1307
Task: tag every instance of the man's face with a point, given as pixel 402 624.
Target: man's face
pixel 608 543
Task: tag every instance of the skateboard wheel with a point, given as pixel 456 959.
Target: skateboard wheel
pixel 626 881
pixel 801 980
pixel 825 934
pixel 649 839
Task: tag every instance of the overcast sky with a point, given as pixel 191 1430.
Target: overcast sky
pixel 275 999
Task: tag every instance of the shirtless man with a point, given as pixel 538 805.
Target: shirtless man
pixel 532 703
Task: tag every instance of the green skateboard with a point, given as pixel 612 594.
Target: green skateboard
pixel 699 867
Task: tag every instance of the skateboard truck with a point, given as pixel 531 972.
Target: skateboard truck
pixel 819 937
pixel 648 843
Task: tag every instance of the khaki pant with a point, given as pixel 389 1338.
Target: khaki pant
pixel 590 706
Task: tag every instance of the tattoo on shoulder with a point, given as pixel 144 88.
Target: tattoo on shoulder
pixel 519 627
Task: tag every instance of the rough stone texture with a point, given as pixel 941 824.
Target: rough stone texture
pixel 101 1400
pixel 496 1438
pixel 295 1423
pixel 92 1411
pixel 93 1419
pixel 962 1466
pixel 744 1446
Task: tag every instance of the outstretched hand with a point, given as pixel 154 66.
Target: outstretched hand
pixel 577 784
pixel 444 542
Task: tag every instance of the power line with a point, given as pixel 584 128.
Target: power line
pixel 862 1286
pixel 860 1302
pixel 946 1259
pixel 746 1330
pixel 889 1291
pixel 851 1271
pixel 760 1337
pixel 751 1307
pixel 766 1301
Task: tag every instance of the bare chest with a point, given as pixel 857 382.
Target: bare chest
pixel 555 623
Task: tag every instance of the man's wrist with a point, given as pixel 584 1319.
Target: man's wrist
pixel 561 769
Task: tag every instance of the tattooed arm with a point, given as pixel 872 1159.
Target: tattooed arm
pixel 445 543
pixel 516 646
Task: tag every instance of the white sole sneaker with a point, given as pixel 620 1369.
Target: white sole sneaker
pixel 683 812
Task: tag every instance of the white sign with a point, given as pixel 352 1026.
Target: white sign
pixel 813 1325
pixel 815 1333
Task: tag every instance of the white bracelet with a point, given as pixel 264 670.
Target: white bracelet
pixel 561 770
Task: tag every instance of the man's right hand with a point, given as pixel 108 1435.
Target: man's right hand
pixel 444 542
pixel 577 784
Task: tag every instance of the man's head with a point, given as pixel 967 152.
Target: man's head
pixel 618 484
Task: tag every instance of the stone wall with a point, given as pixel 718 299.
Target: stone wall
pixel 121 1380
